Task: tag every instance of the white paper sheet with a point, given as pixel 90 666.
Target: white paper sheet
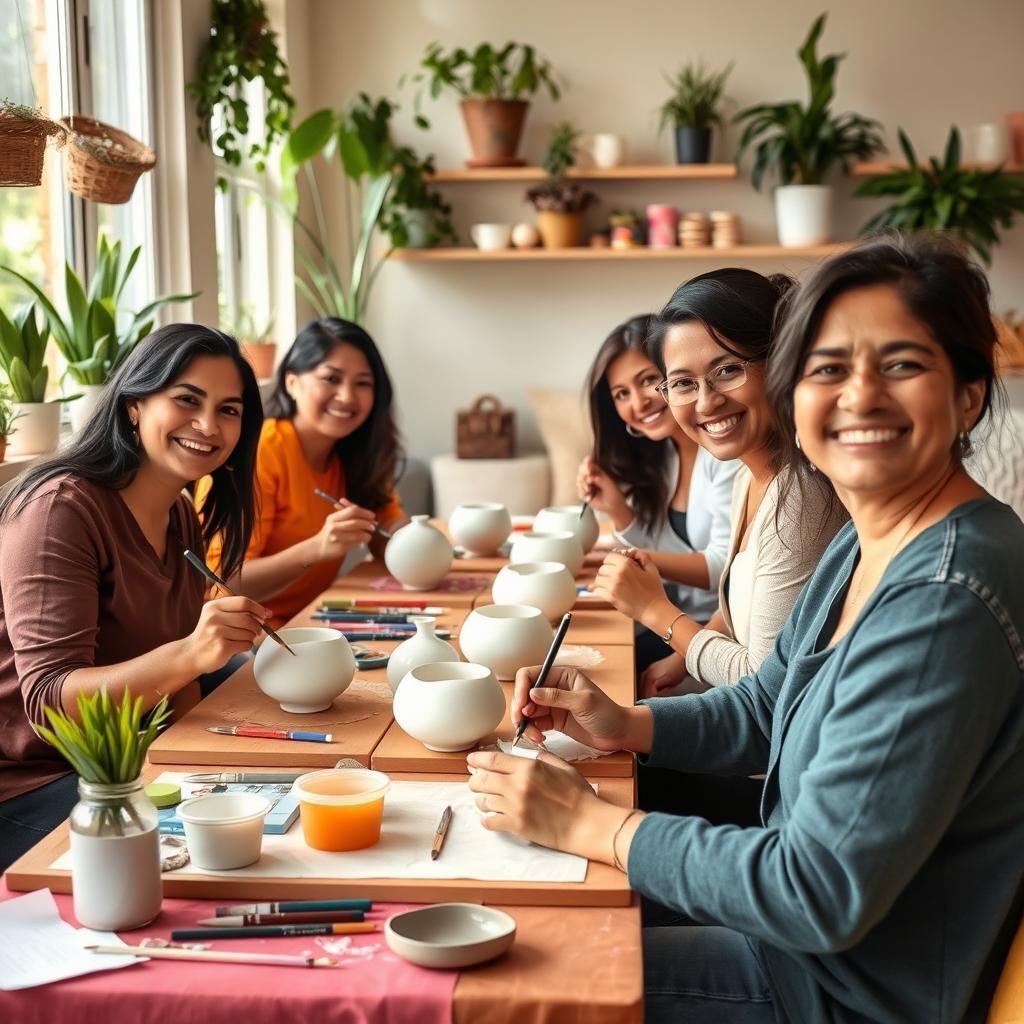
pixel 411 813
pixel 556 743
pixel 37 946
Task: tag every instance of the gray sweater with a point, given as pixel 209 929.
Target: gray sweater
pixel 886 881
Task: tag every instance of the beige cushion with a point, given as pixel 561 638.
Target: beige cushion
pixel 520 484
pixel 565 427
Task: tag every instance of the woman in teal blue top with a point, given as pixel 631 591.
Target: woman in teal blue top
pixel 885 880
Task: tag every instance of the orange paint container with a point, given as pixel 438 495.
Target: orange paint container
pixel 341 808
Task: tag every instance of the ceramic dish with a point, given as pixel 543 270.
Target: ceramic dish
pixel 450 935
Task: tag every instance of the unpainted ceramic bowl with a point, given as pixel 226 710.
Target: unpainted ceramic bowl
pixel 224 830
pixel 450 935
pixel 567 517
pixel 505 637
pixel 419 555
pixel 556 546
pixel 548 586
pixel 480 528
pixel 320 670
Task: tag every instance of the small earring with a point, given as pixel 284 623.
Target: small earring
pixel 966 448
pixel 634 433
pixel 796 439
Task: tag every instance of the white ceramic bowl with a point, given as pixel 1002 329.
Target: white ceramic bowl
pixel 450 935
pixel 419 555
pixel 482 528
pixel 506 637
pixel 424 647
pixel 555 518
pixel 449 705
pixel 548 586
pixel 558 546
pixel 320 670
pixel 224 830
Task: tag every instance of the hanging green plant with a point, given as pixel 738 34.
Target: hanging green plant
pixel 242 48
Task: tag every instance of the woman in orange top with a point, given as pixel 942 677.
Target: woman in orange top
pixel 330 425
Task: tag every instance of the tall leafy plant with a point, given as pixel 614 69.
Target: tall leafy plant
pixel 696 98
pixel 802 143
pixel 946 196
pixel 22 354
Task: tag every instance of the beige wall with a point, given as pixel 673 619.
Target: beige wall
pixel 450 332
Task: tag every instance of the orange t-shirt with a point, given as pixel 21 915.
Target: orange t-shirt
pixel 289 512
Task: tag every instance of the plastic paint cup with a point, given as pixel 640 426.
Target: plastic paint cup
pixel 224 830
pixel 341 808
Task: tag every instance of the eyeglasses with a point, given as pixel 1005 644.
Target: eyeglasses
pixel 685 390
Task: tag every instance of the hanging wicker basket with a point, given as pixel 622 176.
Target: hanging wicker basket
pixel 24 133
pixel 103 163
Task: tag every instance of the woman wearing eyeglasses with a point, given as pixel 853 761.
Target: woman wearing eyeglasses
pixel 659 488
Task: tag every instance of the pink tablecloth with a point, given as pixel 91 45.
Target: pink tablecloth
pixel 373 985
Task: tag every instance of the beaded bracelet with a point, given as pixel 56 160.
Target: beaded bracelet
pixel 615 838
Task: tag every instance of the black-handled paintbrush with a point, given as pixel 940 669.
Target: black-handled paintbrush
pixel 337 503
pixel 549 660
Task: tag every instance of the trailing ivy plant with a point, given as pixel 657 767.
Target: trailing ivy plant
pixel 242 48
pixel 946 196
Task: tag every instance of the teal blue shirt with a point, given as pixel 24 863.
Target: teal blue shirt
pixel 885 883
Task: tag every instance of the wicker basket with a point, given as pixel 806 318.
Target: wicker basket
pixel 106 175
pixel 22 147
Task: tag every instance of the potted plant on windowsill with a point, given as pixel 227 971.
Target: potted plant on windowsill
pixel 492 85
pixel 8 415
pixel 255 339
pixel 693 109
pixel 802 144
pixel 945 196
pixel 559 203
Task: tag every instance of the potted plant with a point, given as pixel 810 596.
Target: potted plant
pixel 115 845
pixel 803 143
pixel 7 417
pixel 415 216
pixel 256 339
pixel 559 203
pixel 945 196
pixel 88 337
pixel 492 85
pixel 693 109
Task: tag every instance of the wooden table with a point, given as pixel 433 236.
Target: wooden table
pixel 358 584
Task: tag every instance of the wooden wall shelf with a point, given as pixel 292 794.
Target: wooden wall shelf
pixel 469 254
pixel 873 170
pixel 651 172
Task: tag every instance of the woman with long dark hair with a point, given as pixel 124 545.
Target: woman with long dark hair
pixel 661 490
pixel 331 427
pixel 94 587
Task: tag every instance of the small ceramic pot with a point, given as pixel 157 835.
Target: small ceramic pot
pixel 506 637
pixel 224 830
pixel 450 935
pixel 556 546
pixel 320 669
pixel 419 555
pixel 422 648
pixel 548 586
pixel 481 529
pixel 450 705
pixel 556 518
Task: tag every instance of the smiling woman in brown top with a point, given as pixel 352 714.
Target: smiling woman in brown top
pixel 94 589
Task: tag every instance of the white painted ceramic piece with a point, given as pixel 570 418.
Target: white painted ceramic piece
pixel 548 586
pixel 320 670
pixel 422 648
pixel 449 705
pixel 525 236
pixel 556 518
pixel 506 637
pixel 116 879
pixel 803 214
pixel 450 935
pixel 490 237
pixel 480 528
pixel 557 546
pixel 224 830
pixel 419 555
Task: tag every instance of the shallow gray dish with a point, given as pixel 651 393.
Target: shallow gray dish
pixel 450 934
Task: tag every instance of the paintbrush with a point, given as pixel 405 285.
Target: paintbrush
pixel 549 660
pixel 197 563
pixel 338 503
pixel 215 956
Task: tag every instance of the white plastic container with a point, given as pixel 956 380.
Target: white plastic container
pixel 224 830
pixel 548 586
pixel 505 638
pixel 480 528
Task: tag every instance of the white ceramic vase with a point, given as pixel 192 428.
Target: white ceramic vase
pixel 449 705
pixel 556 518
pixel 422 648
pixel 37 430
pixel 82 408
pixel 481 528
pixel 419 555
pixel 548 586
pixel 803 214
pixel 558 546
pixel 506 637
pixel 320 670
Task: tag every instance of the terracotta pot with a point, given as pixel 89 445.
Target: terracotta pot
pixel 3 447
pixel 494 127
pixel 559 230
pixel 261 357
pixel 1015 122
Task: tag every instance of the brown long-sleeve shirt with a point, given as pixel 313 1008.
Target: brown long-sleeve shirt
pixel 80 586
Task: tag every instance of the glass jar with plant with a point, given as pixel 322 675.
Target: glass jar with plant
pixel 8 415
pixel 946 196
pixel 693 109
pixel 802 144
pixel 492 84
pixel 560 204
pixel 115 846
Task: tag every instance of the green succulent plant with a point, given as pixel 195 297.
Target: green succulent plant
pixel 22 354
pixel 696 98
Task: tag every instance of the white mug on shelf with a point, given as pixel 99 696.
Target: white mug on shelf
pixel 489 237
pixel 989 143
pixel 606 150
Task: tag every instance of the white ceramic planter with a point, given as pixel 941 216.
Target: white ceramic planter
pixel 803 214
pixel 82 408
pixel 557 518
pixel 450 705
pixel 480 529
pixel 422 648
pixel 224 830
pixel 548 586
pixel 37 430
pixel 506 637
pixel 320 670
pixel 419 555
pixel 562 546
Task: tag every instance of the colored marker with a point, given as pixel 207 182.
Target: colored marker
pixel 275 931
pixel 395 605
pixel 289 906
pixel 299 917
pixel 380 634
pixel 270 734
pixel 364 616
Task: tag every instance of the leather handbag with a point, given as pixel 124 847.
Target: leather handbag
pixel 485 431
